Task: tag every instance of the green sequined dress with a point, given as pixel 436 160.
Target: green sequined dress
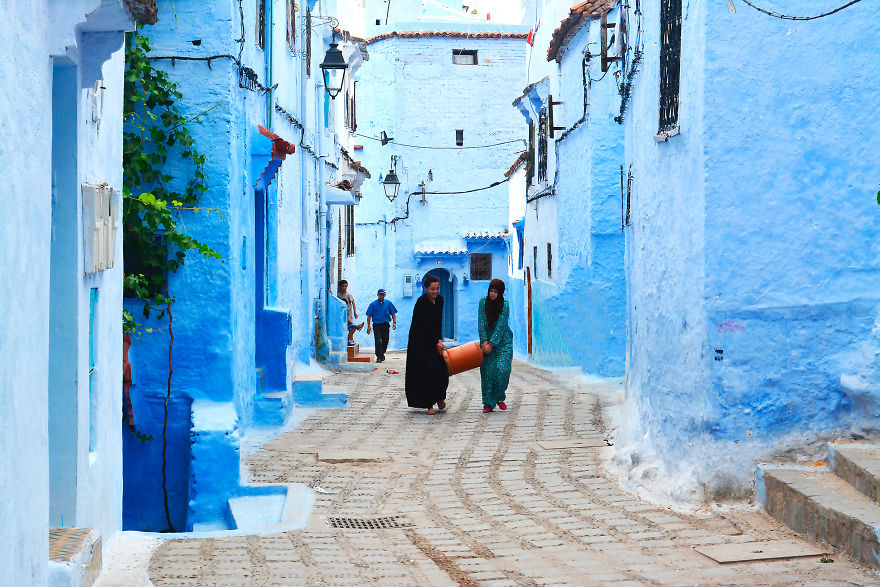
pixel 495 371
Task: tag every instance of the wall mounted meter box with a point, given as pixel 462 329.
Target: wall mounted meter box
pixel 407 286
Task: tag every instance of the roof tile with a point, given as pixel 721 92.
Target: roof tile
pixel 454 34
pixel 583 11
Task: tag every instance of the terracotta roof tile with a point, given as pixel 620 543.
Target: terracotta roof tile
pixel 519 161
pixel 581 12
pixel 453 34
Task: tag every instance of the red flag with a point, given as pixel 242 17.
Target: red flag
pixel 531 38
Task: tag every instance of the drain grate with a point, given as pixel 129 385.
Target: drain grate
pixel 380 523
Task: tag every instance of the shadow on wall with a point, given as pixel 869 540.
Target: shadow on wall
pixel 143 500
pixel 581 324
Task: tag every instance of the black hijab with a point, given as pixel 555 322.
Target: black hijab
pixel 493 308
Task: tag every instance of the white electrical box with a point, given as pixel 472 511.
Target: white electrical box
pixel 407 286
pixel 100 214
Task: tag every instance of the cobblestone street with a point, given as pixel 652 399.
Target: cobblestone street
pixel 490 499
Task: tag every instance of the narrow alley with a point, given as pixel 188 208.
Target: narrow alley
pixel 495 499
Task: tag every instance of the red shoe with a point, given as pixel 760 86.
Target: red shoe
pixel 502 405
pixel 431 411
pixel 441 406
pixel 486 409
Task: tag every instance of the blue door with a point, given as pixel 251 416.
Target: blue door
pixel 447 290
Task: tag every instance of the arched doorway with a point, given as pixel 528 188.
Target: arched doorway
pixel 447 290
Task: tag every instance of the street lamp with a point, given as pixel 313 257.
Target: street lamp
pixel 391 183
pixel 333 67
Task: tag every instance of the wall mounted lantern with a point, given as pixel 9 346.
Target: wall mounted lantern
pixel 334 67
pixel 391 183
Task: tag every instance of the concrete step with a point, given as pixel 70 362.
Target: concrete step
pixel 271 408
pixel 816 502
pixel 352 350
pixel 309 390
pixel 359 359
pixel 354 367
pixel 858 465
pixel 75 557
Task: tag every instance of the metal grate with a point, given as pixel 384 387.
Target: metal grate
pixel 381 523
pixel 670 63
pixel 542 145
pixel 349 231
pixel 307 31
pixel 261 24
pixel 481 266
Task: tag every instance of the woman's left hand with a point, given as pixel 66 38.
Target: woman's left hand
pixel 487 348
pixel 441 347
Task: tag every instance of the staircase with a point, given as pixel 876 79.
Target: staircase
pixel 350 360
pixel 271 406
pixel 834 501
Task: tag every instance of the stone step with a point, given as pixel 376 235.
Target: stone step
pixel 310 390
pixel 816 502
pixel 271 408
pixel 353 350
pixel 858 465
pixel 359 359
pixel 75 556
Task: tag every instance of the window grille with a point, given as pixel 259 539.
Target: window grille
pixel 481 266
pixel 549 261
pixel 261 24
pixel 349 231
pixel 464 57
pixel 535 260
pixel 307 32
pixel 352 108
pixel 670 63
pixel 530 160
pixel 347 105
pixel 542 145
pixel 291 24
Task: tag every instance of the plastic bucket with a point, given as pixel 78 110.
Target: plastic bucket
pixel 463 358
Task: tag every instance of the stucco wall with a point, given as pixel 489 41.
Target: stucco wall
pixel 751 258
pixel 82 143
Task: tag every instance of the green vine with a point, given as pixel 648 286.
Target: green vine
pixel 156 133
pixel 156 139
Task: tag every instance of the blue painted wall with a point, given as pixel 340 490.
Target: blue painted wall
pixel 410 89
pixel 578 298
pixel 754 234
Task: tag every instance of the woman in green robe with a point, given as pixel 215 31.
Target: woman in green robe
pixel 496 340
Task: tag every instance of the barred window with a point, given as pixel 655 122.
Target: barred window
pixel 459 137
pixel 549 260
pixel 542 145
pixel 670 64
pixel 307 33
pixel 291 24
pixel 349 231
pixel 261 24
pixel 530 161
pixel 481 266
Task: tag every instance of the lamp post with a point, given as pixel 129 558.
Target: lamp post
pixel 391 183
pixel 333 68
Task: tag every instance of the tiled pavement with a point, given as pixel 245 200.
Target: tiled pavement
pixel 489 505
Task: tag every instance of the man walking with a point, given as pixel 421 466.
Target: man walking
pixel 380 313
pixel 351 309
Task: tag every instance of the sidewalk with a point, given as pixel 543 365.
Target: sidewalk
pixel 483 499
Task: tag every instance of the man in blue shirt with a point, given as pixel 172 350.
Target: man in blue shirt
pixel 379 314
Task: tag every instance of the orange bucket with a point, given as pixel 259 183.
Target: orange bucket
pixel 463 358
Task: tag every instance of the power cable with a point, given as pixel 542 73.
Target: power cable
pixel 442 148
pixel 786 17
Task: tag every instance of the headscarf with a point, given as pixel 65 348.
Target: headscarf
pixel 493 308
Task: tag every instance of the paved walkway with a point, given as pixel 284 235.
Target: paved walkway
pixel 488 504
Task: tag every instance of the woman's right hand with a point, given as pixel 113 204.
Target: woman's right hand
pixel 440 347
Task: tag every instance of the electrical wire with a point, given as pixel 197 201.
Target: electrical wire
pixel 786 17
pixel 490 186
pixel 442 148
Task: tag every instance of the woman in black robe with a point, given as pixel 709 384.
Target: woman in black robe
pixel 426 374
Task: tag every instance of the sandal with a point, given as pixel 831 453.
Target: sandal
pixel 486 409
pixel 441 406
pixel 502 405
pixel 431 411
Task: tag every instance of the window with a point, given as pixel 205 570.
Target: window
pixel 93 392
pixel 307 33
pixel 549 261
pixel 670 65
pixel 459 137
pixel 542 145
pixel 481 266
pixel 349 231
pixel 261 24
pixel 535 260
pixel 530 160
pixel 464 57
pixel 291 24
pixel 350 121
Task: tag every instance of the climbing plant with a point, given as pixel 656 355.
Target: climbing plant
pixel 163 174
pixel 156 139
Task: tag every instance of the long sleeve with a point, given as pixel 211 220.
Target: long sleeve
pixel 481 321
pixel 500 325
